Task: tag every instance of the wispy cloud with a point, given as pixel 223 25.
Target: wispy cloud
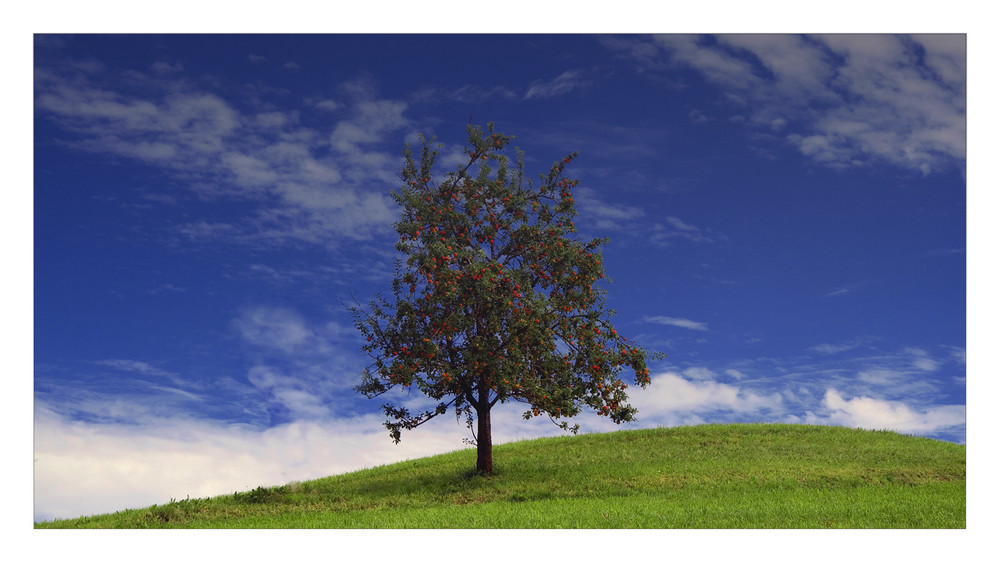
pixel 907 386
pixel 674 228
pixel 147 373
pixel 467 93
pixel 699 373
pixel 604 216
pixel 137 367
pixel 300 368
pixel 276 327
pixel 302 190
pixel 371 121
pixel 558 86
pixel 827 348
pixel 921 360
pixel 958 354
pixel 910 370
pixel 832 348
pixel 109 398
pixel 673 321
pixel 842 100
pixel 298 395
pixel 882 376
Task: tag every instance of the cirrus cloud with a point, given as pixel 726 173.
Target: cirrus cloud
pixel 674 321
pixel 842 100
pixel 558 86
pixel 305 184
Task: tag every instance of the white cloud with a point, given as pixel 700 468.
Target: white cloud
pixel 799 67
pixel 304 192
pixel 348 136
pixel 958 354
pixel 835 348
pixel 673 321
pixel 670 395
pixel 699 373
pixel 945 55
pixel 681 225
pixel 83 468
pixel 326 104
pixel 604 215
pixel 921 360
pixel 191 124
pixel 302 396
pixel 853 98
pixel 836 292
pixel 275 327
pixel 300 369
pixel 144 456
pixel 698 116
pixel 468 93
pixel 302 404
pixel 372 121
pixel 144 150
pixel 137 366
pixel 661 233
pixel 248 170
pixel 876 414
pixel 562 84
pixel 717 66
pixel 881 376
pixel 163 67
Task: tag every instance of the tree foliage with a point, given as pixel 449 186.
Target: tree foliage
pixel 495 301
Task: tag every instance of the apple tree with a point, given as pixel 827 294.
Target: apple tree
pixel 495 300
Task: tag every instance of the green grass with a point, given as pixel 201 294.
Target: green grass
pixel 712 476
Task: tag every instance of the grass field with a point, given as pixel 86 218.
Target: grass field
pixel 711 476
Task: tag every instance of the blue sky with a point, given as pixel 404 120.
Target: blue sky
pixel 786 214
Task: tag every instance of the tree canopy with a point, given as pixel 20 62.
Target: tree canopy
pixel 495 301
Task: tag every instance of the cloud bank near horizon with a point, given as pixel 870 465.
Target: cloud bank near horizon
pixel 86 468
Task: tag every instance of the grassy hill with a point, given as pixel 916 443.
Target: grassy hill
pixel 712 476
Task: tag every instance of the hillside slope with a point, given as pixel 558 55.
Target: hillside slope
pixel 711 476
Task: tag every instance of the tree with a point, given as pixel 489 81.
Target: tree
pixel 494 302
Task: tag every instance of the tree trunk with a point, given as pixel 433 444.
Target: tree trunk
pixel 484 444
pixel 484 438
